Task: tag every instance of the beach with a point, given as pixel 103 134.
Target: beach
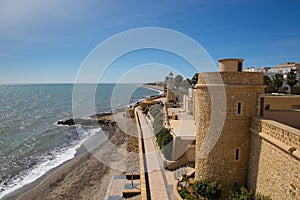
pixel 158 88
pixel 84 177
pixel 80 174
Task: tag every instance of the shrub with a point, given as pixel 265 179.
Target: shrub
pixel 158 125
pixel 163 135
pixel 185 194
pixel 241 193
pixel 207 190
pixel 158 116
pixel 296 90
pixel 155 109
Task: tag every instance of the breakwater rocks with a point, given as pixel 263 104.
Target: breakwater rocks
pixel 93 121
pixel 67 122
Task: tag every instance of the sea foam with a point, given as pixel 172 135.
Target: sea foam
pixel 60 156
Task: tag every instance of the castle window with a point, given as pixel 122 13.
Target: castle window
pixel 237 154
pixel 239 108
pixel 240 66
pixel 261 110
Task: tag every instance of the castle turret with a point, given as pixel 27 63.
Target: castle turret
pixel 227 160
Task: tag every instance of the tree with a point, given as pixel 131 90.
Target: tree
pixel 278 81
pixel 185 84
pixel 269 85
pixel 291 80
pixel 194 80
pixel 178 81
pixel 267 80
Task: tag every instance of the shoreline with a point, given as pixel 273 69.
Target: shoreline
pixel 34 176
pixel 30 189
pixel 157 88
pixel 52 179
pixel 20 192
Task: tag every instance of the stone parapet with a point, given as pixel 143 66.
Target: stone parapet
pixel 142 164
pixel 274 161
pixel 283 133
pixel 231 78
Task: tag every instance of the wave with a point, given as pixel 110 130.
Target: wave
pixel 47 162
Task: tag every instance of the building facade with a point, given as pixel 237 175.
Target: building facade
pixel 260 154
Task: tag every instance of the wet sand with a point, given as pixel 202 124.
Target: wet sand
pixel 85 176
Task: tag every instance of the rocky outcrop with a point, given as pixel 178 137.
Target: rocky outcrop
pixel 67 122
pixel 94 121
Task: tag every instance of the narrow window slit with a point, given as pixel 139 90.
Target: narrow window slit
pixel 239 108
pixel 237 152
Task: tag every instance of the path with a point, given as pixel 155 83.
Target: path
pixel 157 181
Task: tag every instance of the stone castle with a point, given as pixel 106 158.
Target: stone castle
pixel 240 146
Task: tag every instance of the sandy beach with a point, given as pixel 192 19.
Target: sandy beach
pixel 85 177
pixel 154 87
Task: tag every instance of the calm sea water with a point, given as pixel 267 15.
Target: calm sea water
pixel 30 141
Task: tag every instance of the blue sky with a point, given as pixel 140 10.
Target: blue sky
pixel 47 41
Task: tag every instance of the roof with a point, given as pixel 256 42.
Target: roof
pixel 183 128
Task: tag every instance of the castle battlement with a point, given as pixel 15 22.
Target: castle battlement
pixel 230 78
pixel 278 131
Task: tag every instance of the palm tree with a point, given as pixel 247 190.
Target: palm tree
pixel 178 81
pixel 267 80
pixel 185 84
pixel 278 81
pixel 269 85
pixel 291 80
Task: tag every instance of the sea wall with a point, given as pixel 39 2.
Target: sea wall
pixel 274 162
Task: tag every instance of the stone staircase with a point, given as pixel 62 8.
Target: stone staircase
pixel 179 172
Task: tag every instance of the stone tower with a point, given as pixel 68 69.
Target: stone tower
pixel 170 88
pixel 227 160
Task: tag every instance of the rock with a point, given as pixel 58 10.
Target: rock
pixel 68 122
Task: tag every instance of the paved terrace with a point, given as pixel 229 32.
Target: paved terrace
pixel 184 126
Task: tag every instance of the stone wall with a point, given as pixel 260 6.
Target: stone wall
pixel 282 102
pixel 274 162
pixel 180 146
pixel 231 78
pixel 221 163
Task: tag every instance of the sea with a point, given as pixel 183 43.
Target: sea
pixel 31 142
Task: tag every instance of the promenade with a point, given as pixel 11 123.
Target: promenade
pixel 158 186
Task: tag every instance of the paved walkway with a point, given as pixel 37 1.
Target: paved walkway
pixel 117 185
pixel 158 184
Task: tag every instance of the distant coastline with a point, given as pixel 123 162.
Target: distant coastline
pixel 157 88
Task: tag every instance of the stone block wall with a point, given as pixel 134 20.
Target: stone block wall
pixel 221 164
pixel 180 146
pixel 274 162
pixel 231 78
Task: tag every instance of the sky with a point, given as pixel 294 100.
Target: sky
pixel 49 41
